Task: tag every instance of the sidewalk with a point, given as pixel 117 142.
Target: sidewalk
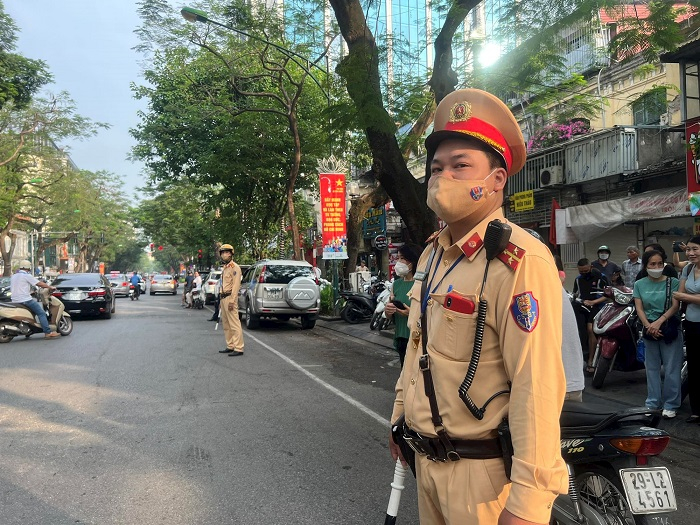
pixel 621 389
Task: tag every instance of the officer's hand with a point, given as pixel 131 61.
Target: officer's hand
pixel 508 518
pixel 396 451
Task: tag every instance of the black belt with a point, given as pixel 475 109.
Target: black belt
pixel 434 449
pixel 223 295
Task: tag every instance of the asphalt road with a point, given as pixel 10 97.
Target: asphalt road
pixel 139 420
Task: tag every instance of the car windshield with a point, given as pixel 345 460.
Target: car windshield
pixel 5 281
pixel 162 278
pixel 78 279
pixel 282 274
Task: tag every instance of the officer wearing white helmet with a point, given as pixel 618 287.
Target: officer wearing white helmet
pixel 21 289
pixel 228 308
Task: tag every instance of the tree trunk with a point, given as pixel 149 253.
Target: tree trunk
pixel 294 130
pixel 7 252
pixel 360 69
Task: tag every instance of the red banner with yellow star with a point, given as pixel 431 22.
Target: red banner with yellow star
pixel 335 238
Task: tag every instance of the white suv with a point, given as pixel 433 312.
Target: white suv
pixel 279 289
pixel 209 286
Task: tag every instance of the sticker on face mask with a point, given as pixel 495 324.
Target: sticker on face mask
pixel 526 311
pixel 476 193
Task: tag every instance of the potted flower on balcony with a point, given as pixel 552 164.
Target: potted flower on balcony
pixel 554 134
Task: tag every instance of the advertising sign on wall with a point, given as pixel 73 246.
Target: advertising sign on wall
pixel 524 200
pixel 692 155
pixel 333 223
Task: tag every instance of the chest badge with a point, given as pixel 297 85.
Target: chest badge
pixel 525 310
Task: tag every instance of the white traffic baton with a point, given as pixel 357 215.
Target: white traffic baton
pixel 397 486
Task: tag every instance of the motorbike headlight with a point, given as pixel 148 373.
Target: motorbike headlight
pixel 621 297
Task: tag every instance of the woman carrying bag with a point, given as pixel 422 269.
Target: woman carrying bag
pixel 397 307
pixel 689 293
pixel 657 309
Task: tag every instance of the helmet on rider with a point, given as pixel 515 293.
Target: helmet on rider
pixel 226 247
pixel 24 264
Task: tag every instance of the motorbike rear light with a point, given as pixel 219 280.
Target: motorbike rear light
pixel 641 446
pixel 57 294
pixel 97 293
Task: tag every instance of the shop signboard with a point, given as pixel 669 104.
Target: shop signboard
pixel 374 223
pixel 524 200
pixel 333 215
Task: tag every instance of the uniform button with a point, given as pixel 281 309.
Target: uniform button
pixel 430 302
pixel 409 422
pixel 549 505
pixel 446 262
pixel 449 318
pixel 415 346
pixel 413 381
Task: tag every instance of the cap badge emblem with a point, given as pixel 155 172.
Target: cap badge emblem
pixel 461 112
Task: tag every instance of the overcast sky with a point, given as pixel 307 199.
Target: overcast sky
pixel 87 46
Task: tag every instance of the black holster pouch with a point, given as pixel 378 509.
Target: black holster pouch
pixel 506 445
pixel 407 452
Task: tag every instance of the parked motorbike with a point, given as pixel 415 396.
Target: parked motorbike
pixel 360 306
pixel 615 325
pixel 612 477
pixel 197 300
pixel 16 319
pixel 379 320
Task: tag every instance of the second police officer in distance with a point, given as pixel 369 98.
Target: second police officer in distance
pixel 228 306
pixel 476 144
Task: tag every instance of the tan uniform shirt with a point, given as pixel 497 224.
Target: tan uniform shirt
pixel 231 279
pixel 522 344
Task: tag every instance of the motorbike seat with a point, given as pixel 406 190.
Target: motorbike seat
pixel 14 305
pixel 589 418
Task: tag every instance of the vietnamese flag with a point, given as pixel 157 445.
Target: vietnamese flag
pixel 553 222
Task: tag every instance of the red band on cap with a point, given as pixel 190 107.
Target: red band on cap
pixel 484 132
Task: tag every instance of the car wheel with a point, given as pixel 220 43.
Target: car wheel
pixel 251 321
pixel 65 325
pixel 107 315
pixel 308 321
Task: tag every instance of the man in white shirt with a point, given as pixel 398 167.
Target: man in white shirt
pixel 21 289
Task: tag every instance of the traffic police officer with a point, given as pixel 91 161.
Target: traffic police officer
pixel 228 307
pixel 476 144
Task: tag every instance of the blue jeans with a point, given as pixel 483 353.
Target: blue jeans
pixel 38 310
pixel 658 353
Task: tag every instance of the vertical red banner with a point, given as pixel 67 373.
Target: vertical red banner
pixel 333 223
pixel 692 139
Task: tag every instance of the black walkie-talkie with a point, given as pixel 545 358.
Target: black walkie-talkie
pixel 496 240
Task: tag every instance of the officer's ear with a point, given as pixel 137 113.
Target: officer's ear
pixel 500 177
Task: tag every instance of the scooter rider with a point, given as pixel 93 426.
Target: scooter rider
pixel 21 288
pixel 135 282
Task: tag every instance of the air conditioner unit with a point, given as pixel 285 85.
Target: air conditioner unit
pixel 551 176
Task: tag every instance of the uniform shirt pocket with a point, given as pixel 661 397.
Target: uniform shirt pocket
pixel 451 327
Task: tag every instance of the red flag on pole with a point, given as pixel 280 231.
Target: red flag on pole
pixel 553 223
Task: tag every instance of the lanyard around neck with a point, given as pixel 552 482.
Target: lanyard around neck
pixel 431 289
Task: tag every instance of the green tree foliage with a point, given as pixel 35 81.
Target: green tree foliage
pixel 20 77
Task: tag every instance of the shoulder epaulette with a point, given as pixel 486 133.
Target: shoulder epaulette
pixel 511 256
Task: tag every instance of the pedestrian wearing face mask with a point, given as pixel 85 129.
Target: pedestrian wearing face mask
pixel 588 288
pixel 657 309
pixel 463 475
pixel 404 268
pixel 604 264
pixel 230 284
pixel 669 270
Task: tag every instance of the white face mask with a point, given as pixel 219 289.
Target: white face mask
pixel 603 256
pixel 454 200
pixel 401 269
pixel 655 272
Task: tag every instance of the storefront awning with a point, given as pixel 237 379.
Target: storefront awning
pixel 591 220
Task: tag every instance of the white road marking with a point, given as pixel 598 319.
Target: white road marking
pixel 327 386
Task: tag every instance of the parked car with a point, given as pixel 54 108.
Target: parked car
pixel 209 285
pixel 120 285
pixel 85 294
pixel 5 294
pixel 279 289
pixel 163 284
